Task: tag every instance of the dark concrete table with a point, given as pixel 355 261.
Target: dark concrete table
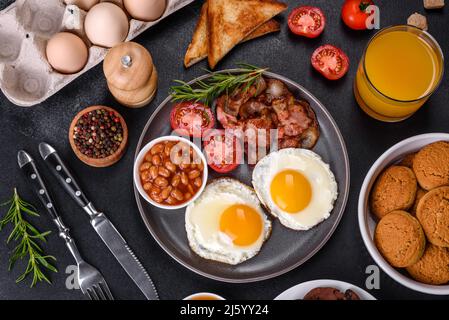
pixel 344 257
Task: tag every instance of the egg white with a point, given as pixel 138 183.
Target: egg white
pixel 321 179
pixel 202 221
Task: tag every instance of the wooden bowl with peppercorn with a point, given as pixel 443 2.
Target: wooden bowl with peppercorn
pixel 98 136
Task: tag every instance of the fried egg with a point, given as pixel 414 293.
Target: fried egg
pixel 296 186
pixel 227 223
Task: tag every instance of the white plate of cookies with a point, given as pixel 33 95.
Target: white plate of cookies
pixel 404 212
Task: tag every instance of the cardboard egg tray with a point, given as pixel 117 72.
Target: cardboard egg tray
pixel 26 78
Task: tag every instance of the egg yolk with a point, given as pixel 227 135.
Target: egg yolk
pixel 242 224
pixel 291 191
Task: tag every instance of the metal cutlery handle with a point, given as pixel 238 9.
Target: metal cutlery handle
pixel 70 243
pixel 63 174
pixel 28 166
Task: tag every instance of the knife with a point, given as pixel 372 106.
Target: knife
pixel 102 225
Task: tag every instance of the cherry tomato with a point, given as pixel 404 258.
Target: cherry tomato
pixel 223 152
pixel 330 61
pixel 354 13
pixel 307 21
pixel 191 119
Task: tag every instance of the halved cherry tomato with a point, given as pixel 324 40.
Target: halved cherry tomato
pixel 307 21
pixel 354 13
pixel 330 61
pixel 223 151
pixel 191 119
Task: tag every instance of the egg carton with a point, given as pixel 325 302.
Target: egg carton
pixel 26 77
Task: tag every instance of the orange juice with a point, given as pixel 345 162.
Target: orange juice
pixel 400 69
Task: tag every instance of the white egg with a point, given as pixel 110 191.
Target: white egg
pixel 296 186
pixel 227 223
pixel 106 24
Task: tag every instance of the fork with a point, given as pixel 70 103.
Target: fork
pixel 90 280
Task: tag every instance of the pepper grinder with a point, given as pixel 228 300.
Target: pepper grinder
pixel 131 75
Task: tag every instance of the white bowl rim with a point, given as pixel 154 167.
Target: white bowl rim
pixel 306 286
pixel 386 267
pixel 142 153
pixel 199 294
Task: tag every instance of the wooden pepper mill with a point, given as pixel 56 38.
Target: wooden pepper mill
pixel 131 75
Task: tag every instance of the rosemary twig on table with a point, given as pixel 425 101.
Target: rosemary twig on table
pixel 219 83
pixel 27 237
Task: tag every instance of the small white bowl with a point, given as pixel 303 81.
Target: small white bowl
pixel 195 296
pixel 367 222
pixel 139 161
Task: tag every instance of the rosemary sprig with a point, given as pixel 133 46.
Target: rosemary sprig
pixel 27 237
pixel 217 84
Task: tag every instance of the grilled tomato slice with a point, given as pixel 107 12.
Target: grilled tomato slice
pixel 191 119
pixel 330 61
pixel 307 21
pixel 223 152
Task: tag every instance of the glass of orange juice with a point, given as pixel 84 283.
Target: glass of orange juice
pixel 400 69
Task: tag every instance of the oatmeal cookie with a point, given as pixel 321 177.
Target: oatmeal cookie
pixel 395 189
pixel 433 267
pixel 433 214
pixel 400 239
pixel 431 165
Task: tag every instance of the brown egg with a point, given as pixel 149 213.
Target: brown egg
pixel 106 25
pixel 67 53
pixel 82 4
pixel 145 10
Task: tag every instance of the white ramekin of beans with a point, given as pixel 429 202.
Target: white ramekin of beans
pixel 170 172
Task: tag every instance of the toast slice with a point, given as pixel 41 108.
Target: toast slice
pixel 198 48
pixel 230 21
pixel 266 28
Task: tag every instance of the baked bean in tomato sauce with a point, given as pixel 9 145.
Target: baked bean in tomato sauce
pixel 171 173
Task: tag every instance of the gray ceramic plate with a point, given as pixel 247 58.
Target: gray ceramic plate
pixel 285 249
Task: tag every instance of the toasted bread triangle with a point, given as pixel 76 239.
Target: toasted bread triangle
pixel 265 28
pixel 198 47
pixel 230 21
